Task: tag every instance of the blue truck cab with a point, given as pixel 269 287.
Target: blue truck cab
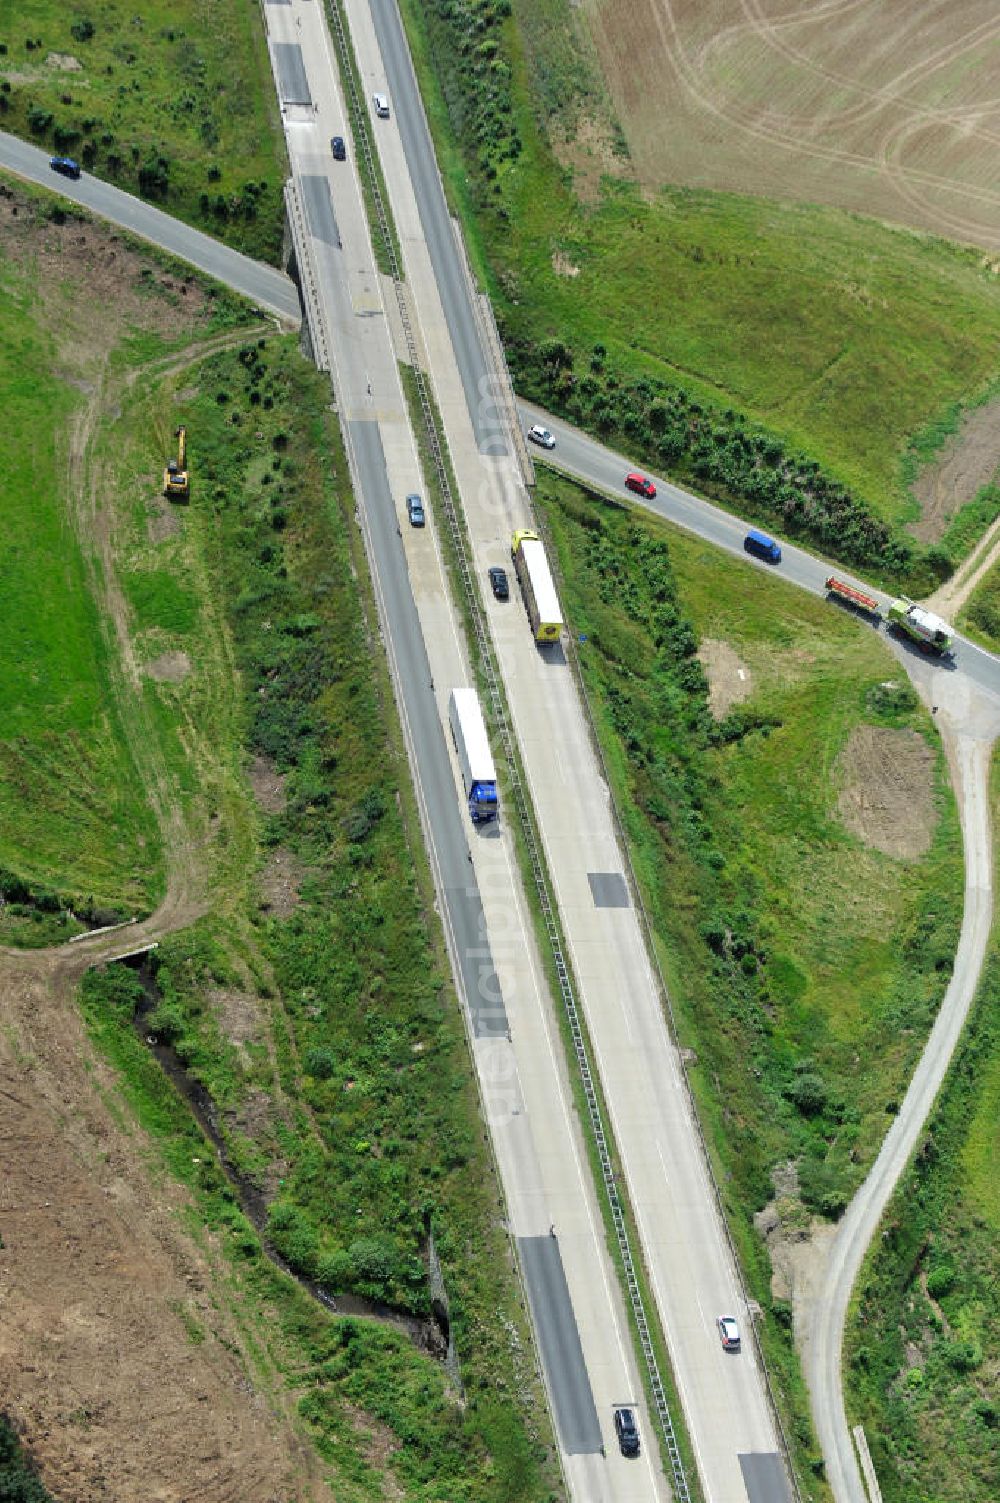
pixel 761 546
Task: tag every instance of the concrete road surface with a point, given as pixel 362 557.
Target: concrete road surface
pixel 692 1271
pixel 965 696
pixel 579 1317
pixel 263 285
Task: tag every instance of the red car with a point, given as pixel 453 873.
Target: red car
pixel 637 482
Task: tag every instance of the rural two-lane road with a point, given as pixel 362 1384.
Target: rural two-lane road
pixel 967 690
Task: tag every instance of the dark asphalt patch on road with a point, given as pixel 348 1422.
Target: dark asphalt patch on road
pixel 559 1340
pixel 318 205
pixel 293 86
pixel 609 890
pixel 764 1477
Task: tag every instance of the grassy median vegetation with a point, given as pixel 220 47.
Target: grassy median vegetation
pixel 174 102
pixel 782 356
pixel 922 1366
pixel 312 1002
pixel 804 963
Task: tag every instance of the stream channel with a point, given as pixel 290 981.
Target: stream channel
pixel 432 1335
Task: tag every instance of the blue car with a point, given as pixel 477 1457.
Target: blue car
pixel 65 165
pixel 761 546
pixel 415 509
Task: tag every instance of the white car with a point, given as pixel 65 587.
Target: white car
pixel 540 435
pixel 729 1332
pixel 381 103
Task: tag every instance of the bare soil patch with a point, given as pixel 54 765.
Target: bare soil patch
pixel 169 667
pixel 239 1014
pixel 118 279
pixel 729 679
pixel 797 1243
pixel 590 155
pixel 970 459
pixel 563 266
pixel 889 110
pixel 268 785
pixel 163 523
pixel 887 790
pixel 280 882
pixel 119 1361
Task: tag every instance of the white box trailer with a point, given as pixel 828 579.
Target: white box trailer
pixel 475 760
pixel 537 587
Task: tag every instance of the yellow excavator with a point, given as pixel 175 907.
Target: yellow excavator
pixel 175 476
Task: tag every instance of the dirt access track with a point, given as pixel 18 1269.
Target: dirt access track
pixel 887 107
pixel 125 1362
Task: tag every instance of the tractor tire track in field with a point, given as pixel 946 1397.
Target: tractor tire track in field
pixel 883 138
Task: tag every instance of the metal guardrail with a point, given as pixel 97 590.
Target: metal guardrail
pixel 307 282
pixel 651 950
pixel 517 788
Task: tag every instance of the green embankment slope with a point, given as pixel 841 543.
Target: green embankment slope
pixel 805 944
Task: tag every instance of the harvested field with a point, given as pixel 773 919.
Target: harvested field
pixel 887 107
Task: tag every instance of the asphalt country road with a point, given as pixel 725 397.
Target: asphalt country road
pixel 265 286
pixel 964 694
pixel 597 466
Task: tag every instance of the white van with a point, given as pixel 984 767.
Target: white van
pixel 381 103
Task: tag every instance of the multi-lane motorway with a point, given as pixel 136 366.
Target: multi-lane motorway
pixel 683 1242
pixel 578 1313
pixel 552 1211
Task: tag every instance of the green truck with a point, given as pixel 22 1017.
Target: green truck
pixel 921 626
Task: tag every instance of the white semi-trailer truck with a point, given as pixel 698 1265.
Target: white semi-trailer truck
pixel 468 730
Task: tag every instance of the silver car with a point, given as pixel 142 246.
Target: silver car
pixel 540 435
pixel 381 103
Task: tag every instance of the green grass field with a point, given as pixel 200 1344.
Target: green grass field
pixel 804 965
pixel 980 616
pixel 175 102
pixel 921 1369
pixel 74 819
pixel 844 337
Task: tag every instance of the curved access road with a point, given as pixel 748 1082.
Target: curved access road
pixel 269 288
pixel 965 697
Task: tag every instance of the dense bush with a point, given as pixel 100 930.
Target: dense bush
pixel 476 82
pixel 716 448
pixel 18 1483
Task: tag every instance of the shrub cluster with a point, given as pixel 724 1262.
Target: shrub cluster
pixel 476 81
pixel 18 1483
pixel 717 448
